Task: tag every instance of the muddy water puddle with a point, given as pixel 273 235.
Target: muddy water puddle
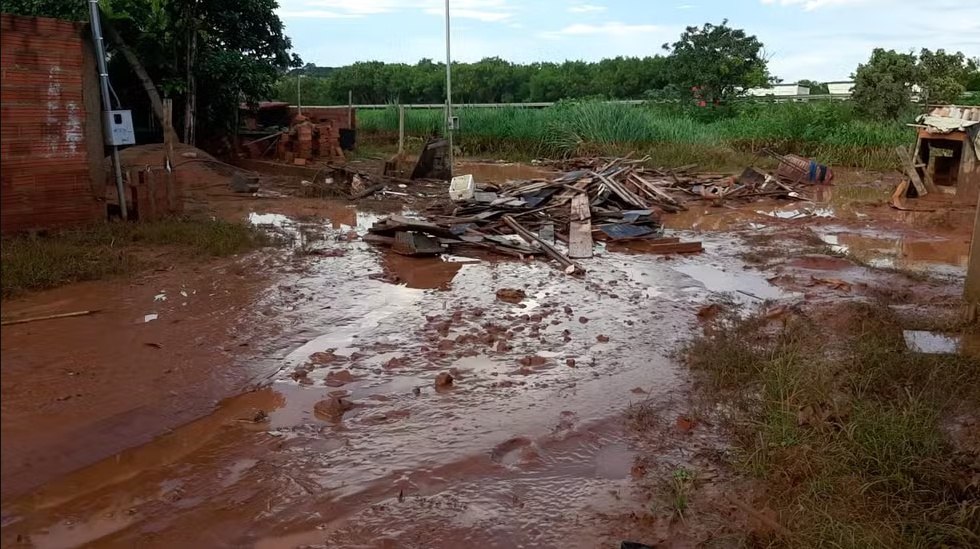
pixel 350 441
pixel 905 251
pixel 501 172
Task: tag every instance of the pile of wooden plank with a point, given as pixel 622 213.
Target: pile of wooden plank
pixel 560 218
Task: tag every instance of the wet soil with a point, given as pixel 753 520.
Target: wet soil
pixel 348 440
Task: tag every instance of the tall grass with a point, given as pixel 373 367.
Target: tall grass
pixel 828 131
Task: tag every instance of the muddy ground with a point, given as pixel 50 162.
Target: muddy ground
pixel 289 398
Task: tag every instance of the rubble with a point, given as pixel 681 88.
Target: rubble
pixel 619 201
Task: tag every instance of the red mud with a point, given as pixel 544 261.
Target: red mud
pixel 404 404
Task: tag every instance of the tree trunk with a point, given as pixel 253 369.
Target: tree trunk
pixel 151 90
pixel 190 99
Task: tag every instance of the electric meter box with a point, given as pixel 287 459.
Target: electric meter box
pixel 119 128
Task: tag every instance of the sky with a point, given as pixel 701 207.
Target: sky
pixel 821 40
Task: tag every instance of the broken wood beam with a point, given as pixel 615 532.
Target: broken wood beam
pixel 580 228
pixel 570 266
pixel 641 246
pixel 911 170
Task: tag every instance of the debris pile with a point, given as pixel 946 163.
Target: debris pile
pixel 613 201
pixel 617 200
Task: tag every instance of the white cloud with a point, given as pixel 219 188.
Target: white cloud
pixel 480 15
pixel 810 5
pixel 586 8
pixel 612 29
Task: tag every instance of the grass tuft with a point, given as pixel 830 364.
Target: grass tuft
pixel 36 262
pixel 845 428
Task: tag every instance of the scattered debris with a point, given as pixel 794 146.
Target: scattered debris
pixel 617 200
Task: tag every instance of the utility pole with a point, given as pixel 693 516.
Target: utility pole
pixel 106 104
pixel 449 94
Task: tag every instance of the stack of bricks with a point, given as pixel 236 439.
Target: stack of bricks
pixel 328 143
pixel 304 140
pixel 46 176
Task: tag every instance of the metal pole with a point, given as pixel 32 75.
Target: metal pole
pixel 299 101
pixel 106 103
pixel 401 130
pixel 350 109
pixel 449 94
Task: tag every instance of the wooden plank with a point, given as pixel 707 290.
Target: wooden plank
pixel 580 228
pixel 655 190
pixel 398 223
pixel 971 289
pixel 641 246
pixel 570 266
pixel 903 155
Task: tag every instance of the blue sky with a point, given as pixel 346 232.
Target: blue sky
pixel 815 39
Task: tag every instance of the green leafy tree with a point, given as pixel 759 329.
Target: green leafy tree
pixel 944 76
pixel 58 9
pixel 718 61
pixel 883 85
pixel 209 55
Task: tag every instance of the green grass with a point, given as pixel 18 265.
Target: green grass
pixel 36 262
pixel 843 428
pixel 828 131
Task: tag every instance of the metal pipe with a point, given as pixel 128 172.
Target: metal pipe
pixel 106 102
pixel 449 94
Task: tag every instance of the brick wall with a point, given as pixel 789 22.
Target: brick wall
pixel 47 178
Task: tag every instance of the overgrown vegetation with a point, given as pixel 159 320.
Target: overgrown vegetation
pixel 33 262
pixel 849 433
pixel 671 134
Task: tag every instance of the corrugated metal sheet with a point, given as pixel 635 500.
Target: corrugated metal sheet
pixel 46 181
pixel 969 113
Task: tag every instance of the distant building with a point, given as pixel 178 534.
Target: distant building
pixel 780 90
pixel 843 87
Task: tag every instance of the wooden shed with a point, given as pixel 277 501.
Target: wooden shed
pixel 946 158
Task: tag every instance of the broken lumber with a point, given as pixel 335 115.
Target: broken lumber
pixel 580 228
pixel 47 317
pixel 653 247
pixel 570 266
pixel 911 171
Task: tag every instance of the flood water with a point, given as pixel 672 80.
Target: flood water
pixel 349 442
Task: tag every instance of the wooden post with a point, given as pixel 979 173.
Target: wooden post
pixel 350 109
pixel 971 289
pixel 168 153
pixel 401 131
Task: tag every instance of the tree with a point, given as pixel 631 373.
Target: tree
pixel 944 76
pixel 58 9
pixel 234 50
pixel 718 61
pixel 883 85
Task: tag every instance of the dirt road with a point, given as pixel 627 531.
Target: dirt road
pixel 348 441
